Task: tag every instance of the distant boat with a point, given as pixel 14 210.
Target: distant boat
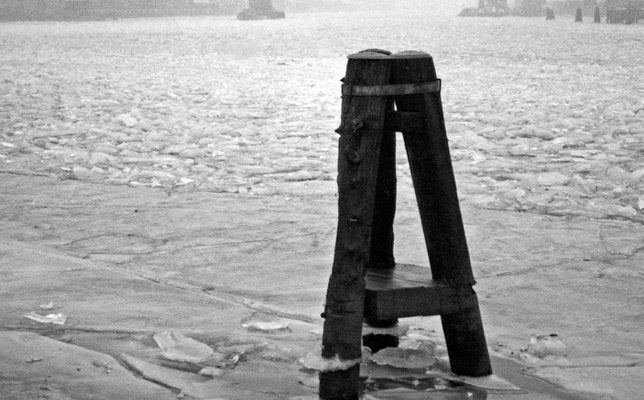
pixel 260 9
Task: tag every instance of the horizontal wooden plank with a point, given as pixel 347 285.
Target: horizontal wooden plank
pixel 408 291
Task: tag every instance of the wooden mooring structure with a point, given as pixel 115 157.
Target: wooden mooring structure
pixel 624 11
pixel 383 94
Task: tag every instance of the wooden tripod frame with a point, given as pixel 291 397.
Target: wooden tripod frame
pixel 365 283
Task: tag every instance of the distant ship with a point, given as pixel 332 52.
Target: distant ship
pixel 260 9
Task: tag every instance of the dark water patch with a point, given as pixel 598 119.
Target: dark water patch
pixel 418 387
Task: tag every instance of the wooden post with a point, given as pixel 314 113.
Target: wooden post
pixel 435 187
pixel 359 154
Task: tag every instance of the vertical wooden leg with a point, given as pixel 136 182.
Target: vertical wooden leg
pixel 359 152
pixel 435 187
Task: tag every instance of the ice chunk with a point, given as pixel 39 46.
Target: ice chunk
pixel 127 120
pixel 373 371
pixel 417 336
pixel 546 345
pixel 552 179
pixel 99 158
pixel 211 371
pixel 265 322
pixel 490 382
pixel 81 172
pixel 280 353
pixel 56 319
pixel 47 306
pixel 266 326
pixel 637 175
pixel 522 149
pixel 183 381
pixel 617 174
pixel 621 211
pixel 177 347
pixel 422 357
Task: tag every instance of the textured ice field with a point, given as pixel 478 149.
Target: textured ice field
pixel 542 116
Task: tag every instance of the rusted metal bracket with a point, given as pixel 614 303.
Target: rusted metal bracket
pixel 391 90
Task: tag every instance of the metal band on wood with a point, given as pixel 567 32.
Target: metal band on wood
pixel 391 90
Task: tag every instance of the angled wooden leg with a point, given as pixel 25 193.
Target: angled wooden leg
pixel 465 341
pixel 435 187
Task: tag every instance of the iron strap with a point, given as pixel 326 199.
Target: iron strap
pixel 401 89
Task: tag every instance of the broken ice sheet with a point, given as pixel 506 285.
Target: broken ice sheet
pixel 490 382
pixel 265 326
pixel 57 319
pixel 410 394
pixel 47 306
pixel 280 353
pixel 265 323
pixel 179 380
pixel 177 347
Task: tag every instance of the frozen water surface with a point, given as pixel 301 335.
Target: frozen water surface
pixel 542 116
